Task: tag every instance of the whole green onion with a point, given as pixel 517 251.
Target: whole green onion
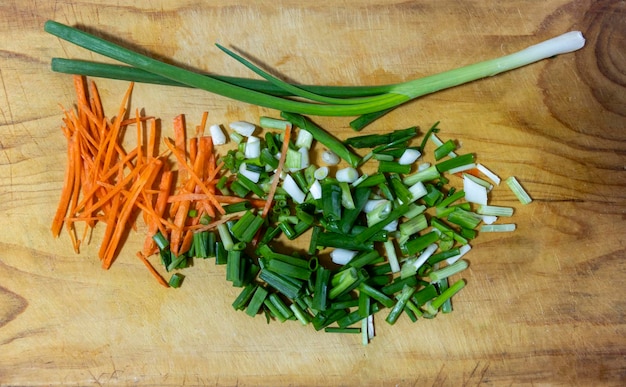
pixel 357 101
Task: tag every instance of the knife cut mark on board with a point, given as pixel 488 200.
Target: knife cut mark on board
pixel 11 306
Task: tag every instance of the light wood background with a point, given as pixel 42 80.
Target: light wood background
pixel 543 306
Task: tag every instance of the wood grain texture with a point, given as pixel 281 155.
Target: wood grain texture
pixel 543 305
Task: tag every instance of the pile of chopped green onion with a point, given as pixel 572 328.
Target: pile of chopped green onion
pixel 389 242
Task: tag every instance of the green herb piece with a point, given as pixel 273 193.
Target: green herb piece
pixel 176 280
pixel 518 190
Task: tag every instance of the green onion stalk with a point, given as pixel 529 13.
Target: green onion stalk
pixel 274 93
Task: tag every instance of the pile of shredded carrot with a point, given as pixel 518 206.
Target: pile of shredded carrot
pixel 105 183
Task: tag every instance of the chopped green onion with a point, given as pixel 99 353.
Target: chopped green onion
pixel 444 149
pixel 273 123
pixel 433 306
pixel 459 161
pixel 497 228
pixel 393 167
pixel 176 280
pixel 244 296
pixel 464 218
pixel 257 301
pixel 237 207
pixel 448 271
pixel 494 210
pixel 342 330
pixel 392 256
pixel 518 190
pixel 428 174
pixel 397 309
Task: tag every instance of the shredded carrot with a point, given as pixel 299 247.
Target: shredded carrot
pixel 152 270
pixel 144 179
pixel 66 192
pixel 105 183
pixel 281 163
pixel 473 171
pixel 194 176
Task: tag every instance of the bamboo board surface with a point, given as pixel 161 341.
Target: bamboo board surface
pixel 543 305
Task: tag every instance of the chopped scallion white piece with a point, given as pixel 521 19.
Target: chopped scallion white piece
pixel 217 134
pixel 392 256
pixel 480 181
pixel 462 251
pixel 370 327
pixel 329 157
pixel 497 227
pixel 474 192
pixel 342 256
pixel 321 173
pixel 347 175
pixel 304 139
pixel 252 175
pixel 518 190
pixel 253 148
pixel 409 156
pixel 485 171
pixel 417 190
pixel 360 180
pixel 293 190
pixel 304 157
pixel 236 137
pixel 365 340
pixel 392 226
pixel 423 166
pixel 371 204
pixel 462 168
pixel 489 219
pixel 243 128
pixel 316 190
pixel 379 213
pixel 293 161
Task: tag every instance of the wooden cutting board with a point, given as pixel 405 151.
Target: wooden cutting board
pixel 543 305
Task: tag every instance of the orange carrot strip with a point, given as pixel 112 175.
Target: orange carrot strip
pixel 473 171
pixel 176 235
pixel 139 138
pixel 159 208
pixel 179 133
pixel 144 179
pixel 114 190
pixel 200 128
pixel 151 140
pixel 194 176
pixel 111 219
pixel 97 103
pixel 193 149
pixel 66 192
pixel 153 270
pixel 187 241
pixel 214 224
pixel 81 96
pixel 281 163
